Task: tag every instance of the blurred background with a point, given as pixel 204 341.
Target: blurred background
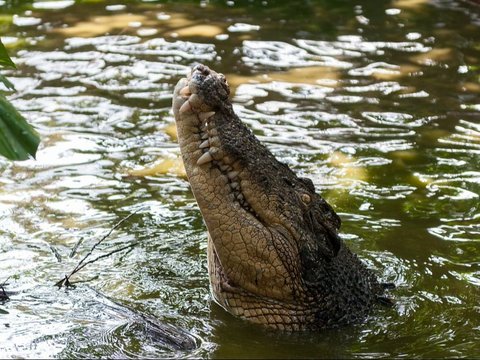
pixel 378 102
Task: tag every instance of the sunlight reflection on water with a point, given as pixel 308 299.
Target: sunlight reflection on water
pixel 380 111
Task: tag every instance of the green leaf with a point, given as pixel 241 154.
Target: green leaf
pixel 18 139
pixel 7 83
pixel 4 58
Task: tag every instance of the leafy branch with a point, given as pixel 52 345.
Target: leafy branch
pixel 4 58
pixel 18 139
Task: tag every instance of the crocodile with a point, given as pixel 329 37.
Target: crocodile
pixel 274 253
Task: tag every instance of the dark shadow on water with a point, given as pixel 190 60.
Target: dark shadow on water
pixel 239 339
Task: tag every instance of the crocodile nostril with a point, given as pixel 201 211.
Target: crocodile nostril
pixel 202 69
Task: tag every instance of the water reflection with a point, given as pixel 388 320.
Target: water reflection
pixel 85 323
pixel 377 103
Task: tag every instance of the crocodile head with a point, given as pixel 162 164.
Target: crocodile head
pixel 274 255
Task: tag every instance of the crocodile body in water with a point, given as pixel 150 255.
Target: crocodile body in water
pixel 274 254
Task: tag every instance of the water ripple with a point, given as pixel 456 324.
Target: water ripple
pixel 391 141
pixel 396 119
pixel 461 233
pixel 466 138
pixel 356 46
pixel 175 50
pixel 275 54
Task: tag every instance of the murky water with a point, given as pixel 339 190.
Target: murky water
pixel 377 101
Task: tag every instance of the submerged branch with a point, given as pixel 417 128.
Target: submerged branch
pixel 82 263
pixel 3 294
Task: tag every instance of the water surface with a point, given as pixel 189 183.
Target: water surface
pixel 377 102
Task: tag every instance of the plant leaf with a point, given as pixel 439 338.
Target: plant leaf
pixel 7 83
pixel 4 58
pixel 18 139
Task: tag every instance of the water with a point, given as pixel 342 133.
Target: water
pixel 377 102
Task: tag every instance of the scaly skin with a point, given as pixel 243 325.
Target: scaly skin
pixel 274 256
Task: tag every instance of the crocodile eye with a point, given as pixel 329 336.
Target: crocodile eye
pixel 306 198
pixel 224 84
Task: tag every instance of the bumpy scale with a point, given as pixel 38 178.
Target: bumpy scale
pixel 274 254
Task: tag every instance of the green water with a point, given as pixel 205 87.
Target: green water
pixel 377 101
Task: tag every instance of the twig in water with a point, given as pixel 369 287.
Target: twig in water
pixel 3 294
pixel 66 280
pixel 75 248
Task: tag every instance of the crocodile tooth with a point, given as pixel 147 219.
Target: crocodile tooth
pixel 224 167
pixel 195 101
pixel 205 115
pixel 204 144
pixel 186 107
pixel 204 136
pixel 205 158
pixel 234 185
pixel 232 174
pixel 185 92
